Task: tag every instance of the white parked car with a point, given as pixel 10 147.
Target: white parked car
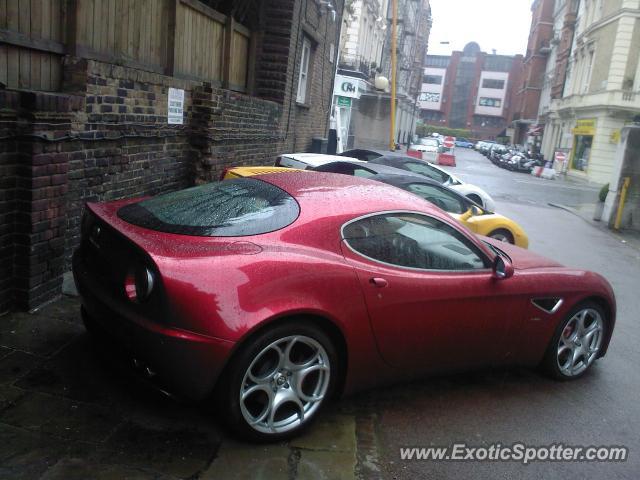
pixel 472 192
pixel 304 161
pixel 310 160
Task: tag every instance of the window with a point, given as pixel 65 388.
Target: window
pixel 413 241
pixel 427 171
pixel 582 152
pixel 438 61
pixel 303 78
pixel 447 201
pixel 430 97
pixel 493 83
pixel 490 102
pixel 232 208
pixel 432 79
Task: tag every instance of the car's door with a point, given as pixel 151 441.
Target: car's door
pixel 430 293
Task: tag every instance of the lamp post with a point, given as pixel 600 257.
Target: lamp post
pixel 394 41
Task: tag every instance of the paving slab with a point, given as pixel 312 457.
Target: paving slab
pixel 60 417
pixel 27 455
pixel 81 469
pixel 330 432
pixel 240 461
pixel 16 365
pixel 326 465
pixel 9 395
pixel 181 451
pixel 42 333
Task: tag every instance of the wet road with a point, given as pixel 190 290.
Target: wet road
pixel 68 412
pixel 522 406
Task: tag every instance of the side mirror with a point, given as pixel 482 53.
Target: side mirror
pixel 502 268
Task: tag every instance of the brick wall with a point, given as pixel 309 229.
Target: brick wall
pixel 8 180
pixel 106 137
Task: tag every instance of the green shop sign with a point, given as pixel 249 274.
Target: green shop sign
pixel 344 102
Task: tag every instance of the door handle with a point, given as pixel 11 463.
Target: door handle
pixel 378 282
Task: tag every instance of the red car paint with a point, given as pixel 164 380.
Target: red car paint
pixel 214 292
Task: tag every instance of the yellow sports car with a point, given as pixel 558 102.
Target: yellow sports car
pixel 473 216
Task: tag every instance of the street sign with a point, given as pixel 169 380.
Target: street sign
pixel 449 142
pixel 344 101
pixel 175 106
pixel 561 156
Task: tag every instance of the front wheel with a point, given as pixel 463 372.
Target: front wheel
pixel 279 382
pixel 577 342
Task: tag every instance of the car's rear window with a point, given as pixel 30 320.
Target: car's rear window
pixel 231 208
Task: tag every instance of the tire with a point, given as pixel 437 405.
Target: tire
pixel 502 235
pixel 475 198
pixel 559 362
pixel 254 383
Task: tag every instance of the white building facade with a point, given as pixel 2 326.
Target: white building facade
pixel 602 87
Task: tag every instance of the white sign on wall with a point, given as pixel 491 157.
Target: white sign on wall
pixel 175 106
pixel 347 87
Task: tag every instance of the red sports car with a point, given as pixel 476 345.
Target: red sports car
pixel 269 295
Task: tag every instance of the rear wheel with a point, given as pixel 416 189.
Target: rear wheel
pixel 502 235
pixel 576 343
pixel 279 382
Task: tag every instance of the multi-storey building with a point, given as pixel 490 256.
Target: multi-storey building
pixel 471 90
pixel 534 80
pixel 363 111
pixel 601 91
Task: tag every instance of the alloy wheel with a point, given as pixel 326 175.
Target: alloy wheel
pixel 285 384
pixel 580 342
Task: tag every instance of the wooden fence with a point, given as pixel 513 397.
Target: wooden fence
pixel 184 38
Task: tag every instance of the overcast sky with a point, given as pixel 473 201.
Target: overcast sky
pixel 500 24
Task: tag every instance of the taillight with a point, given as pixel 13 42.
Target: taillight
pixel 224 173
pixel 138 284
pixel 278 160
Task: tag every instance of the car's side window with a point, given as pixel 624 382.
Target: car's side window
pixel 363 173
pixel 414 241
pixel 447 201
pixel 427 171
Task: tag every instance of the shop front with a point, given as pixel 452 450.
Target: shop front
pixel 583 134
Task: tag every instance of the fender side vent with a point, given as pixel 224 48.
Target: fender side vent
pixel 548 304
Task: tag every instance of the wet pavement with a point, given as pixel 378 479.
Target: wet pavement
pixel 70 410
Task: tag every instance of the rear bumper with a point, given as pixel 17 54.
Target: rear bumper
pixel 187 363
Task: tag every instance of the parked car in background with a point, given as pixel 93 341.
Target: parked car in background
pixel 411 164
pixel 268 297
pixel 468 212
pixel 304 161
pixel 434 172
pixel 464 143
pixel 429 147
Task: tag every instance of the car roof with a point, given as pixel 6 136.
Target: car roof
pixel 331 194
pixel 376 168
pixel 316 159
